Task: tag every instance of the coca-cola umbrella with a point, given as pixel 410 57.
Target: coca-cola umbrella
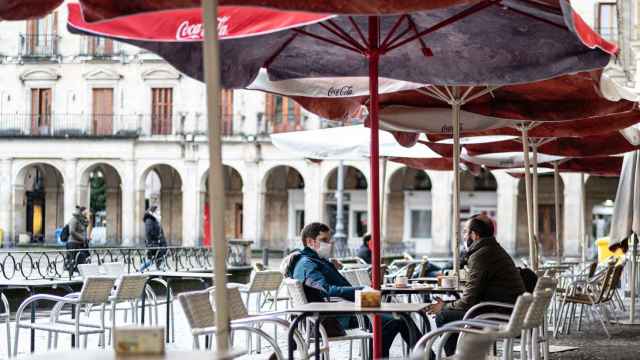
pixel 516 41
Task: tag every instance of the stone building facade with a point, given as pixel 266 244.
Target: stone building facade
pixel 73 109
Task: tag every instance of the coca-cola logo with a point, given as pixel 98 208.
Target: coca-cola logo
pixel 346 90
pixel 195 31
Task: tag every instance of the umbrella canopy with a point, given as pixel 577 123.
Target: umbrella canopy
pixel 505 159
pixel 419 47
pixel 608 166
pixel 345 143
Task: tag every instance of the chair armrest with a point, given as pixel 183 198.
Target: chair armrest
pixel 425 343
pixel 480 323
pixel 46 297
pixel 475 307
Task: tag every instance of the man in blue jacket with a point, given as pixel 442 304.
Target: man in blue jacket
pixel 321 278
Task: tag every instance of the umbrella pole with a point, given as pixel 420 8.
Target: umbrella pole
pixel 527 182
pixel 383 198
pixel 340 236
pixel 455 225
pixel 582 217
pixel 634 268
pixel 536 218
pixel 216 186
pixel 374 57
pixel 556 193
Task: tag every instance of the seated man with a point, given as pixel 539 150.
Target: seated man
pixel 493 276
pixel 364 251
pixel 322 280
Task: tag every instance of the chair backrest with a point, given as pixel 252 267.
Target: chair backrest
pixel 411 268
pixel 296 291
pixel 198 309
pixel 113 269
pixel 538 309
pixel 424 267
pixel 606 283
pixel 519 312
pixel 614 281
pixel 546 282
pixel 87 270
pixel 352 277
pixel 364 279
pixel 268 280
pixel 96 289
pixel 237 309
pixel 474 346
pixel 130 287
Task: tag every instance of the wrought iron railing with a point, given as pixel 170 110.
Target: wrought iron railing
pixel 39 45
pixel 58 264
pixel 100 48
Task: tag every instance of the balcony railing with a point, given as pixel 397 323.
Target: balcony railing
pixel 100 48
pixel 39 45
pixel 109 125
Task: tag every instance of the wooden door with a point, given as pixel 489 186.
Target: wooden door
pixel 226 111
pixel 282 113
pixel 102 112
pixel 40 111
pixel 161 110
pixel 547 228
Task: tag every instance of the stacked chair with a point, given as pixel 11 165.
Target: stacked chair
pixel 6 317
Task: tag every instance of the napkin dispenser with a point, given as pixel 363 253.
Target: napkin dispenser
pixel 368 298
pixel 136 340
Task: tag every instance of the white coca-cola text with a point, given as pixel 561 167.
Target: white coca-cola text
pixel 195 31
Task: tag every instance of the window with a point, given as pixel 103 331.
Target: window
pixel 226 111
pixel 102 111
pixel 161 110
pixel 40 111
pixel 361 227
pixel 299 221
pixel 421 224
pixel 606 22
pixel 99 47
pixel 41 37
pixel 283 114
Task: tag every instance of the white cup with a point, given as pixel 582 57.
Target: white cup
pixel 401 281
pixel 449 282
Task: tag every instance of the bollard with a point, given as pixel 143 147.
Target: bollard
pixel 265 257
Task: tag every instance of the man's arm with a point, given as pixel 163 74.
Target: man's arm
pixel 474 287
pixel 73 230
pixel 308 270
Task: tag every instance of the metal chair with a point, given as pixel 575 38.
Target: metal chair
pixel 96 290
pixel 6 317
pixel 87 270
pixel 130 289
pixel 473 344
pixel 298 297
pixel 200 315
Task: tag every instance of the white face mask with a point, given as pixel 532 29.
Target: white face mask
pixel 324 251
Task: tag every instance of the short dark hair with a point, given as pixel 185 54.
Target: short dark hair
pixel 366 238
pixel 312 230
pixel 481 225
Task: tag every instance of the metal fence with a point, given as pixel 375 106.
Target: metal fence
pixel 55 264
pixel 39 45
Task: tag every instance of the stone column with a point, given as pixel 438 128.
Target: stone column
pixel 507 217
pixel 6 206
pixel 70 188
pixel 252 215
pixel 313 193
pixel 572 208
pixel 130 206
pixel 441 187
pixel 190 205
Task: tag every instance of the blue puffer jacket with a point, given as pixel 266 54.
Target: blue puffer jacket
pixel 319 274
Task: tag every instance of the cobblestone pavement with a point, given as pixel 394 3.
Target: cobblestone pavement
pixel 593 344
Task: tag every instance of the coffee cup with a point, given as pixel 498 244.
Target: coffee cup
pixel 449 282
pixel 401 281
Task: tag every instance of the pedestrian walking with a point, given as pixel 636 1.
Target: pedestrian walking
pixel 155 240
pixel 77 239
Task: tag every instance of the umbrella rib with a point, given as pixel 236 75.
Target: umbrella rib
pixel 432 94
pixel 393 30
pixel 396 38
pixel 461 15
pixel 487 90
pixel 359 31
pixel 322 38
pixel 339 32
pixel 451 97
pixel 280 49
pixel 463 99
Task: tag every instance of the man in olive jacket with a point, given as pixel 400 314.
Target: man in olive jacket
pixel 493 276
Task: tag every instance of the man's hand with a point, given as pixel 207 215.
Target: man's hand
pixel 336 263
pixel 436 308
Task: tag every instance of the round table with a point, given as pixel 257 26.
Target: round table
pixel 111 355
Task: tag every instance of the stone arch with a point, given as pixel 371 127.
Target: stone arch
pixel 478 194
pixel 546 216
pixel 283 204
pixel 233 185
pixel 38 201
pixel 100 189
pixel 161 185
pixel 600 193
pixel 355 203
pixel 408 207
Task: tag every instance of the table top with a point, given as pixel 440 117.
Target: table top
pixel 347 307
pixel 40 282
pixel 180 274
pixel 111 355
pixel 418 289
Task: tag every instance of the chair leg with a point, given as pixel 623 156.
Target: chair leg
pixel 8 327
pixel 599 317
pixel 523 345
pixel 580 318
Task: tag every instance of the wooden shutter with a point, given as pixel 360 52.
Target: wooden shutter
pixel 269 110
pixel 102 112
pixel 161 110
pixel 226 111
pixel 40 111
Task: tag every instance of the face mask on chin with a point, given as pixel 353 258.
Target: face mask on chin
pixel 468 242
pixel 324 251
